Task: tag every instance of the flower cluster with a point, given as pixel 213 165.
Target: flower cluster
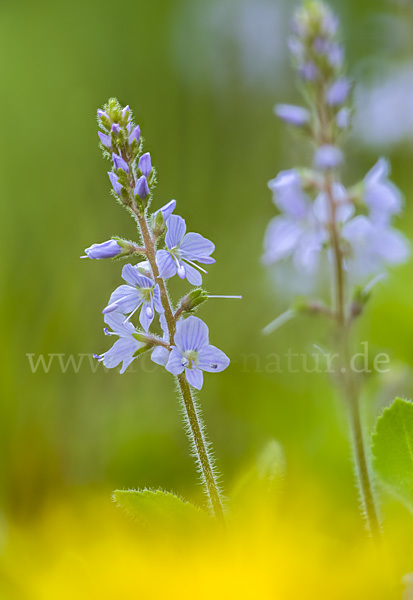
pixel 316 209
pixel 165 250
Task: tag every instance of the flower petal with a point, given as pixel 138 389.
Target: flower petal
pixel 191 334
pixel 176 231
pixel 195 377
pixel 166 264
pixel 160 356
pixel 193 276
pixel 157 299
pixel 116 322
pixel 146 315
pixel 127 299
pixel 194 246
pixel 212 359
pixel 174 364
pixel 123 349
pixel 281 238
pixel 133 276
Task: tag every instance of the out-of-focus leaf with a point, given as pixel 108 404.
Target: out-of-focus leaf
pixel 264 478
pixel 160 509
pixel 393 450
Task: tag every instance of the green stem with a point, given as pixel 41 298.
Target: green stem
pixel 192 413
pixel 349 386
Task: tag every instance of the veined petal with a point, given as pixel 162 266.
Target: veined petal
pixel 206 260
pixel 122 349
pixel 193 276
pixel 116 322
pixel 132 276
pixel 195 377
pixel 166 264
pixel 212 359
pixel 174 364
pixel 194 246
pixel 160 356
pixel 176 231
pixel 127 299
pixel 191 334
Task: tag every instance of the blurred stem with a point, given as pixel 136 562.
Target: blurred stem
pixel 192 415
pixel 346 375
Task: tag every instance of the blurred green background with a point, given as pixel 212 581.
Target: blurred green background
pixel 202 77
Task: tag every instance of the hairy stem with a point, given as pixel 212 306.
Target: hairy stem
pixel 192 414
pixel 348 383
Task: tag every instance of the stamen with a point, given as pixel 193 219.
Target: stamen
pixel 181 271
pixel 149 312
pixel 184 362
pixel 106 331
pixel 195 265
pixel 280 320
pixel 219 296
pixel 131 315
pixel 373 282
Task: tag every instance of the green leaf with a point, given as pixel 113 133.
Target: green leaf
pixel 157 508
pixel 393 450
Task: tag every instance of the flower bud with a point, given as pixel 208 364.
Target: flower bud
pixel 338 91
pixel 120 163
pixel 328 157
pixel 192 300
pixel 142 188
pixel 108 249
pixel 115 128
pixel 293 115
pixel 115 183
pixel 135 135
pixel 145 164
pixel 105 140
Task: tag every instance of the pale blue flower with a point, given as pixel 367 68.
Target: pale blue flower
pixel 183 250
pixel 193 354
pixel 108 249
pixel 140 291
pixel 124 348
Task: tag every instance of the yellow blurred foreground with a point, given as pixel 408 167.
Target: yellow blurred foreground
pixel 92 550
